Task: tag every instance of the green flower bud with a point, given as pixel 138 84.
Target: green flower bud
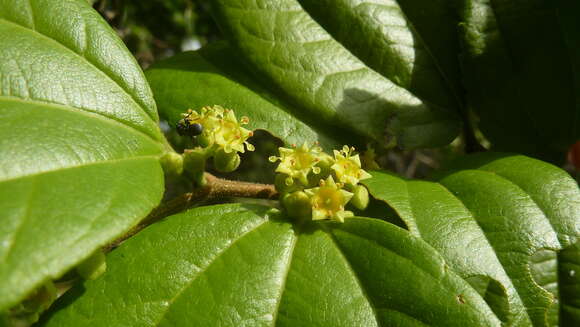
pixel 203 140
pixel 322 172
pixel 226 162
pixel 360 199
pixel 93 267
pixel 28 311
pixel 172 164
pixel 194 165
pixel 286 184
pixel 297 205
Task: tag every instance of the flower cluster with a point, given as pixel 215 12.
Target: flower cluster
pixel 309 178
pixel 218 134
pixel 220 129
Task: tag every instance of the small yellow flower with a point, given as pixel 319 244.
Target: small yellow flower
pixel 328 201
pixel 347 167
pixel 230 135
pixel 221 128
pixel 298 162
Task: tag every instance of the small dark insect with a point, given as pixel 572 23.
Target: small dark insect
pixel 185 128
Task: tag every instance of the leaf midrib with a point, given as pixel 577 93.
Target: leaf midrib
pixel 32 20
pixel 285 279
pixel 91 64
pixel 353 273
pixel 207 266
pixel 516 289
pixel 450 87
pixel 514 311
pixel 95 163
pixel 91 114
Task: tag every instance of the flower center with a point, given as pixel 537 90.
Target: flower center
pixel 350 168
pixel 302 160
pixel 328 199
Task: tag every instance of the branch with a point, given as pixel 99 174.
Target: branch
pixel 215 188
pixel 221 188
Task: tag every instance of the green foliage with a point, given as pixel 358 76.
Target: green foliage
pixel 506 208
pixel 521 66
pixel 237 263
pixel 328 85
pixel 79 135
pixel 215 75
pixel 492 239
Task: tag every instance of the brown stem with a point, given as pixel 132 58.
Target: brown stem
pixel 220 188
pixel 215 188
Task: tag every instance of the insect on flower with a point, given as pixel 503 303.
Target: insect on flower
pixel 185 126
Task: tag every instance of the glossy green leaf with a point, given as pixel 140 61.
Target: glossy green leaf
pixel 412 43
pixel 78 137
pixel 498 217
pixel 215 75
pixel 307 58
pixel 569 291
pixel 234 265
pixel 522 70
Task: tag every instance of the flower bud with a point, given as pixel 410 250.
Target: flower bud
pixel 321 171
pixel 297 205
pixel 28 311
pixel 360 198
pixel 93 267
pixel 194 165
pixel 286 184
pixel 203 140
pixel 172 164
pixel 226 162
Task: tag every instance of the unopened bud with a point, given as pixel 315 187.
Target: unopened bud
pixel 93 267
pixel 203 141
pixel 28 311
pixel 297 205
pixel 172 164
pixel 286 184
pixel 321 171
pixel 194 165
pixel 360 198
pixel 226 162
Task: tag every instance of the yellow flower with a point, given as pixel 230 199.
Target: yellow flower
pixel 328 201
pixel 347 167
pixel 221 128
pixel 298 162
pixel 230 135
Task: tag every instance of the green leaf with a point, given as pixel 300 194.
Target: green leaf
pixel 569 292
pixel 522 73
pixel 79 141
pixel 232 265
pixel 495 217
pixel 307 58
pixel 214 75
pixel 412 43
